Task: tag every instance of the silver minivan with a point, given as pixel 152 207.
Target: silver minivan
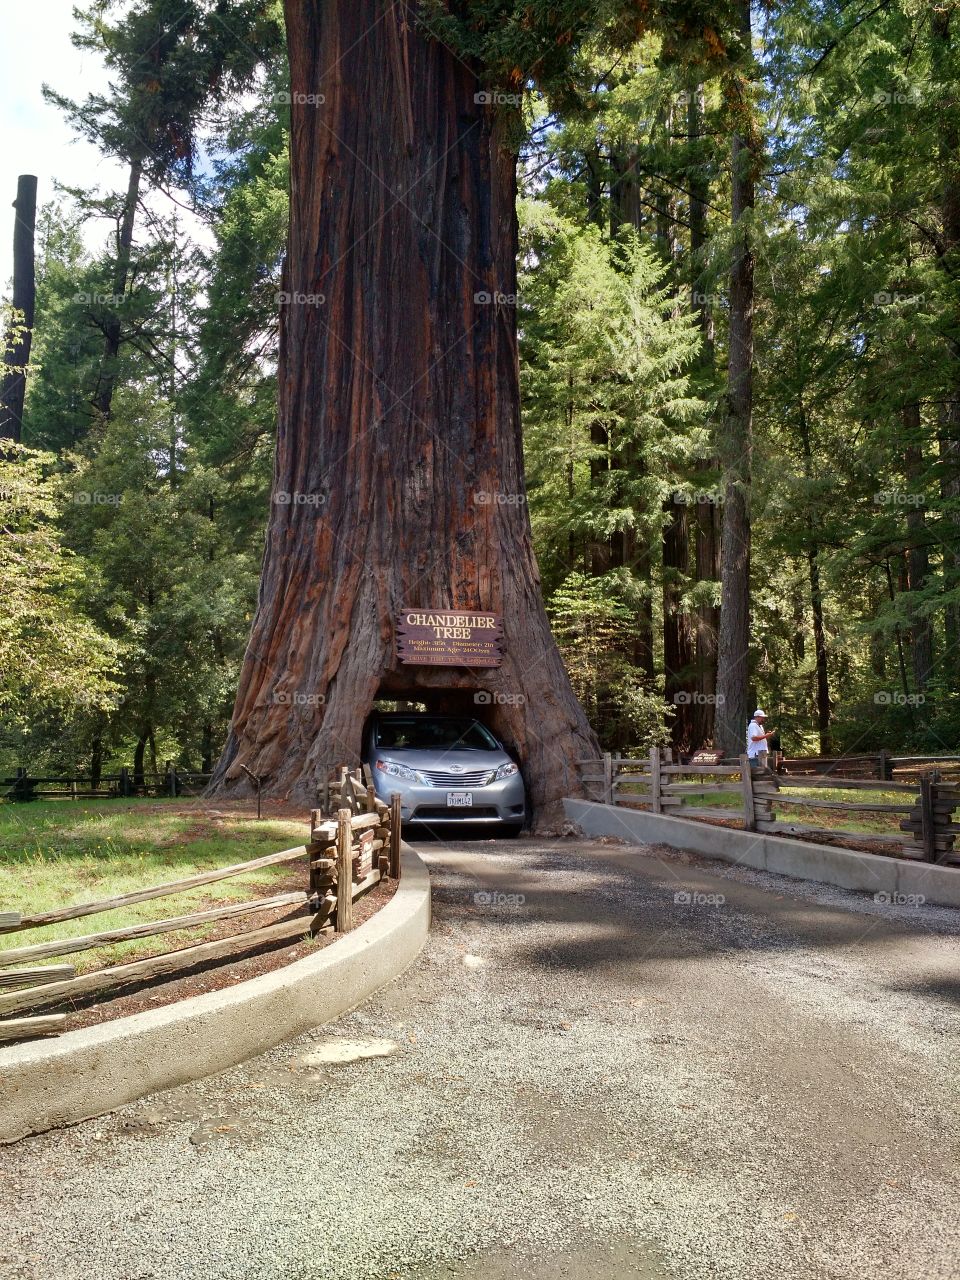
pixel 447 770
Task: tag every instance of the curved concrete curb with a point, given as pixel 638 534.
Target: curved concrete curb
pixel 895 878
pixel 86 1073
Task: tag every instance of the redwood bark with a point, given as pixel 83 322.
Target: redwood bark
pixel 677 631
pixel 675 538
pixel 820 646
pixel 17 351
pixel 918 551
pixel 816 602
pixel 707 522
pixel 736 440
pixel 949 260
pixel 399 477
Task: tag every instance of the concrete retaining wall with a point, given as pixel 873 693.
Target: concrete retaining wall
pixel 845 868
pixel 46 1083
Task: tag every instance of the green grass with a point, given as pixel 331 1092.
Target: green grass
pixel 844 823
pixel 62 853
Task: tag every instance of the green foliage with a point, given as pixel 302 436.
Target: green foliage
pixel 54 854
pixel 606 375
pixel 167 57
pixel 125 616
pixel 54 661
pixel 593 621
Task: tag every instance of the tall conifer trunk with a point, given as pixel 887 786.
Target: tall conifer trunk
pixel 706 511
pixel 399 476
pixel 17 351
pixel 736 437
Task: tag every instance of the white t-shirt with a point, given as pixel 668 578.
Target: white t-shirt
pixel 756 748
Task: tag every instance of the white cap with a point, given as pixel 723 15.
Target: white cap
pixel 758 714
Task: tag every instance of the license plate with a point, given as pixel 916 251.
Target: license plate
pixel 459 799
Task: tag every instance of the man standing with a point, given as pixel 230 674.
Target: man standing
pixel 757 749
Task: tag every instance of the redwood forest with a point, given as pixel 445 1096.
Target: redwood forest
pixel 636 325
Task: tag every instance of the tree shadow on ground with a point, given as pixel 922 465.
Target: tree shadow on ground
pixel 656 910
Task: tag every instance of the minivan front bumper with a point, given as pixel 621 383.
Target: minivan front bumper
pixel 501 802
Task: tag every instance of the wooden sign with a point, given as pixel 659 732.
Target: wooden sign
pixel 706 757
pixel 363 858
pixel 449 638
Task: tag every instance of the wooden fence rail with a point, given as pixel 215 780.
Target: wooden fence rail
pixel 344 858
pixel 172 782
pixel 880 765
pixel 657 782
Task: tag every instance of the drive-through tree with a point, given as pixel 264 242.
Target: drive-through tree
pixel 399 478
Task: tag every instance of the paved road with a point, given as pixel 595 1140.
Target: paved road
pixel 607 1063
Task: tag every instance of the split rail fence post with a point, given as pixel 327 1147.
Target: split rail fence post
pixel 344 871
pixel 927 833
pixel 749 811
pixel 395 836
pixel 607 778
pixel 655 804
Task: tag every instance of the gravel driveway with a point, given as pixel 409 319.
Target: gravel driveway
pixel 607 1062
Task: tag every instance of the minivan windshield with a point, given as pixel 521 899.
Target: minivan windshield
pixel 421 733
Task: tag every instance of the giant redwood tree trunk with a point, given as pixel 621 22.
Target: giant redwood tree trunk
pixel 399 478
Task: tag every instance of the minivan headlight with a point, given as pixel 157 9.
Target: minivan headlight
pixel 394 770
pixel 506 771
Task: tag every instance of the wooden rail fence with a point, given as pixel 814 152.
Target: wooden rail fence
pixel 880 765
pixel 657 782
pixel 345 857
pixel 172 782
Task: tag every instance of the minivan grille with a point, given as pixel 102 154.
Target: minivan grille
pixel 437 813
pixel 444 778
